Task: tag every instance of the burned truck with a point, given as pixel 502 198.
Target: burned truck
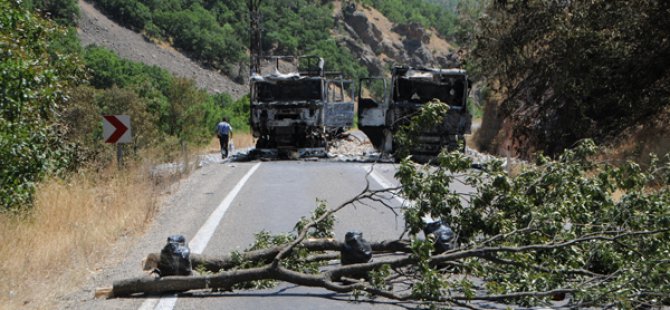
pixel 300 110
pixel 383 110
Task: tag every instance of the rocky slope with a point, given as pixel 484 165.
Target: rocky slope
pixel 378 43
pixel 96 28
pixel 368 34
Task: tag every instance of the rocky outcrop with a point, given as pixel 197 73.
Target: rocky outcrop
pixel 403 44
pixel 413 32
pixel 358 25
pixel 365 55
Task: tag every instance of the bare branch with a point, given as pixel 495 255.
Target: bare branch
pixel 516 295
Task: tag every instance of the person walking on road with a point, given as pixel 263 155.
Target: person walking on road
pixel 225 132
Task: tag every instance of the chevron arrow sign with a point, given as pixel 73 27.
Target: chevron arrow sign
pixel 116 129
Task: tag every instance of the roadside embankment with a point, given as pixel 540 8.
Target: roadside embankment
pixel 76 226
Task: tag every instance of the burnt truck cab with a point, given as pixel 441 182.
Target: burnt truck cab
pixel 381 116
pixel 300 109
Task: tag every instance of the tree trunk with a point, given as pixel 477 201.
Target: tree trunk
pixel 224 280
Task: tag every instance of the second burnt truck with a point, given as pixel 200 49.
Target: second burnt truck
pixel 381 116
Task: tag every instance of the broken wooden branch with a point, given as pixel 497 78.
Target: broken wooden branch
pixel 226 262
pixel 226 279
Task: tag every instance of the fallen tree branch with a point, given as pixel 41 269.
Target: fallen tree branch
pixel 224 280
pixel 265 256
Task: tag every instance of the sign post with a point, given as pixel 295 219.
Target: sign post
pixel 116 129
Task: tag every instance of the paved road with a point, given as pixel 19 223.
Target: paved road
pixel 274 197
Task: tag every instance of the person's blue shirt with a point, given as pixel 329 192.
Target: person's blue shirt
pixel 223 128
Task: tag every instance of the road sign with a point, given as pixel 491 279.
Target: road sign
pixel 116 129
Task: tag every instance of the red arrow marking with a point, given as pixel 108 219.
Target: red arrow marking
pixel 120 128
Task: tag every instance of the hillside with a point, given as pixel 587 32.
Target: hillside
pixel 542 100
pixel 96 28
pixel 378 43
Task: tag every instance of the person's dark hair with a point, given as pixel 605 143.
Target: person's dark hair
pixel 225 119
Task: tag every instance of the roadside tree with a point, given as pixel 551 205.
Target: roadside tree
pixel 34 79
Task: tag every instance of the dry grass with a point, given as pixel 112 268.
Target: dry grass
pixel 51 250
pixel 651 136
pixel 240 139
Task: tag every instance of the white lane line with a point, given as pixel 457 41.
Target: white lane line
pixel 162 303
pixel 384 183
pixel 201 238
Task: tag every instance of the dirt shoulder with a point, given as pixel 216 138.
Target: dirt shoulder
pixel 96 28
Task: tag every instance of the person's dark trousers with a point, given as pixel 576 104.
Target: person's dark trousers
pixel 223 141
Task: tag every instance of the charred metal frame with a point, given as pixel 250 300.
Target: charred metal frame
pixel 299 109
pixel 410 89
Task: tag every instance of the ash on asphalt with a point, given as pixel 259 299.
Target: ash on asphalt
pixel 353 146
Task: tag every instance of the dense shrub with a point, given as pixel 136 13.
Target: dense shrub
pixel 46 126
pixel 216 32
pixel 454 20
pixel 34 79
pixel 131 13
pixel 64 12
pixel 196 31
pixel 569 70
pixel 107 69
pixel 237 111
pixel 172 106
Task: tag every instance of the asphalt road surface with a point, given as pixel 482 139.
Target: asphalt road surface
pixel 221 206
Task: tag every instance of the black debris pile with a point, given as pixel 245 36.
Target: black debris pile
pixel 441 234
pixel 355 249
pixel 175 257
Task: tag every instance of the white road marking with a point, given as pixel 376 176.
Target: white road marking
pixel 200 240
pixel 162 303
pixel 384 183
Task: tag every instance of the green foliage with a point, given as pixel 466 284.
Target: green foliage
pixel 378 277
pixel 216 32
pixel 107 70
pixel 297 259
pixel 34 81
pixel 182 113
pixel 131 13
pixel 467 13
pixel 300 27
pixel 453 21
pixel 295 26
pixel 263 240
pixel 64 12
pixel 173 108
pixel 557 225
pixel 66 43
pixel 116 101
pixel 429 283
pixel 323 228
pixel 431 115
pixel 196 31
pixel 578 68
pixel 237 111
